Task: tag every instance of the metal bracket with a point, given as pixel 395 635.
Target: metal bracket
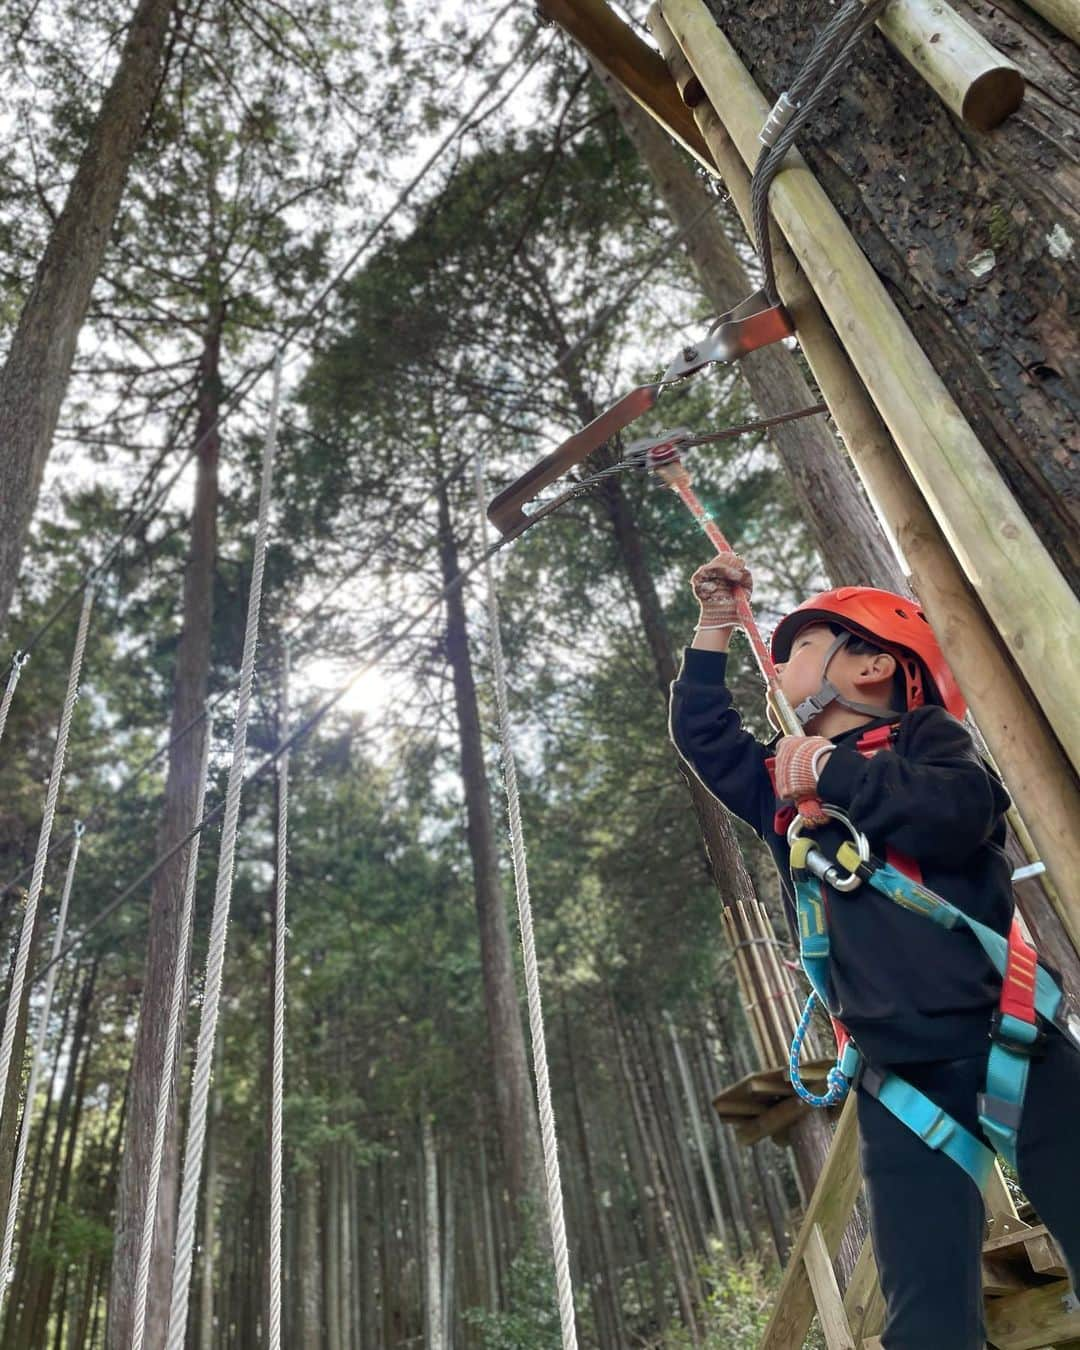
pixel 754 323
pixel 505 511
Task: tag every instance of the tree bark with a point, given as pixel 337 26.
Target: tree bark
pixel 310 1274
pixel 974 235
pixel 841 521
pixel 36 372
pixel 188 732
pixel 515 1110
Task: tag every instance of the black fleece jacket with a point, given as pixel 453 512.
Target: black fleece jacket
pixel 906 989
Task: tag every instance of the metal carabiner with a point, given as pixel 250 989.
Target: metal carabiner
pixel 819 864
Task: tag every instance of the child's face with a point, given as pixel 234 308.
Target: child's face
pixel 800 675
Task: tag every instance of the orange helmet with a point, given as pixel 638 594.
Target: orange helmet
pixel 897 624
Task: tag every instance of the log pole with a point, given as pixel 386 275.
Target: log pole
pixel 1064 15
pixel 1039 776
pixel 970 76
pixel 639 69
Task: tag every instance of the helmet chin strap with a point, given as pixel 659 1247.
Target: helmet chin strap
pixel 828 693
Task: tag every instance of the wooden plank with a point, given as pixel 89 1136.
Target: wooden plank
pixel 830 1208
pixel 772 1122
pixel 1039 1317
pixel 830 1306
pixel 873 1343
pixel 864 1303
pixel 1008 1235
pixel 998 1277
pixel 639 69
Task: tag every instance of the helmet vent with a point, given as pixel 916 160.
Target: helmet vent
pixel 903 613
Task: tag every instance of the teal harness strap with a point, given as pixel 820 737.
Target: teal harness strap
pixel 1013 1040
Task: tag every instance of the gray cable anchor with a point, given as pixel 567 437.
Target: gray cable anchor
pixel 783 110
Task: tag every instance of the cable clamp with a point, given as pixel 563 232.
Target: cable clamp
pixel 783 111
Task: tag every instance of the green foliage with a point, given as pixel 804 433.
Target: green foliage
pixel 737 1306
pixel 72 1240
pixel 530 1319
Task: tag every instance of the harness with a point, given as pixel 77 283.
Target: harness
pixel 1027 993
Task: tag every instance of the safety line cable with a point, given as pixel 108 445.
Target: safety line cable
pixel 816 80
pixel 556 1216
pixel 169 1060
pixel 277 1069
pixel 56 775
pixel 35 1070
pixel 17 662
pixel 204 1053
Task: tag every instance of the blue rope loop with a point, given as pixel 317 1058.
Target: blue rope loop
pixel 837 1082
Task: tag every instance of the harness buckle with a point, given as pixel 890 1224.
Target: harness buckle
pixel 1000 1035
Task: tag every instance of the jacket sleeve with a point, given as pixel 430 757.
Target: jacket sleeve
pixel 708 734
pixel 932 797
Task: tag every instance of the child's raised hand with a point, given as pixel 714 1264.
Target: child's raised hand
pixel 714 585
pixel 799 760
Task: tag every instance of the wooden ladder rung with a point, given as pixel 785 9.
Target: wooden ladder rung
pixel 830 1305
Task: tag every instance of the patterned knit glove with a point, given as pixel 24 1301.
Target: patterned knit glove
pixel 714 584
pixel 799 759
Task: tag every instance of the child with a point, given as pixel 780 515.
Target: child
pixel 917 999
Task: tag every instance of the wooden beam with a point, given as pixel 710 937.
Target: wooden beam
pixel 830 1306
pixel 1040 778
pixel 638 68
pixel 1064 15
pixel 828 1212
pixel 1039 1317
pixel 970 76
pixel 864 1303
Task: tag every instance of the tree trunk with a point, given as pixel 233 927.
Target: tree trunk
pixel 699 1132
pixel 974 235
pixel 36 372
pixel 638 1107
pixel 610 1309
pixel 433 1305
pixel 310 1275
pixel 841 521
pixel 188 733
pixel 515 1108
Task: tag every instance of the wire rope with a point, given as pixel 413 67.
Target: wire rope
pixel 56 775
pixel 204 1054
pixel 277 1070
pixel 17 662
pixel 169 1059
pixel 35 1069
pixel 817 78
pixel 556 1217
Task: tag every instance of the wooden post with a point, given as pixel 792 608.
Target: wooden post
pixel 826 1215
pixel 1064 15
pixel 971 77
pixel 1039 776
pixel 633 63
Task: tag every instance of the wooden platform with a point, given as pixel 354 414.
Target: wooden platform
pixel 1029 1302
pixel 764 1105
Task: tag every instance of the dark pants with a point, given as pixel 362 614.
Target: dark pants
pixel 926 1214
